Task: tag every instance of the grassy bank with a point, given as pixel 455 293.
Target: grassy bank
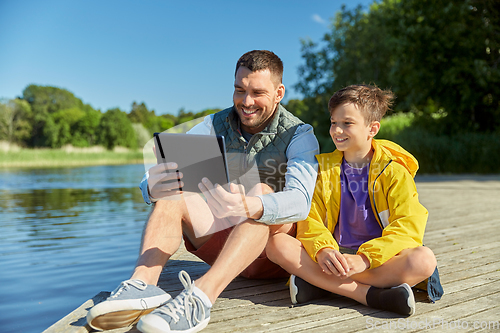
pixel 463 153
pixel 15 157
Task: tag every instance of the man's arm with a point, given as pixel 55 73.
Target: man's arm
pixel 293 203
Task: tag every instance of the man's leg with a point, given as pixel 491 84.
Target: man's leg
pixel 162 235
pixel 245 243
pixel 161 238
pixel 190 311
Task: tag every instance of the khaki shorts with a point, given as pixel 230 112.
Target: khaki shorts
pixel 260 268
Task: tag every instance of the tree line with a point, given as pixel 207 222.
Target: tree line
pixel 441 58
pixel 46 116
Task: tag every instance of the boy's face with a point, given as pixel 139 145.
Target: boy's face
pixel 349 132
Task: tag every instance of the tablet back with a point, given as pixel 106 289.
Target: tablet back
pixel 197 156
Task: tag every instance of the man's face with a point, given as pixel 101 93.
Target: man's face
pixel 255 98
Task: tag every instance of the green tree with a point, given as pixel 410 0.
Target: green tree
pixel 86 129
pixel 48 99
pixel 50 132
pixel 45 101
pixel 205 112
pixel 142 134
pixel 314 111
pixel 165 122
pixel 116 129
pixel 15 121
pixel 356 50
pixel 65 121
pixel 140 114
pixel 184 116
pixel 437 56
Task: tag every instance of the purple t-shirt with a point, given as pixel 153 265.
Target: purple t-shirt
pixel 357 223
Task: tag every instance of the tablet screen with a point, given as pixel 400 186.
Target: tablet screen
pixel 197 156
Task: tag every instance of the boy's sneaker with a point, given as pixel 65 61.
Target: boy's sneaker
pixel 126 304
pixel 302 291
pixel 188 312
pixel 398 299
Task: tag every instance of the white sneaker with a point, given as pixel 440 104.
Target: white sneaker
pixel 186 313
pixel 126 305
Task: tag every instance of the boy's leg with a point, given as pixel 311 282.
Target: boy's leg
pixel 410 266
pixel 288 252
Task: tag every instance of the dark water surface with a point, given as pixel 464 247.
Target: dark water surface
pixel 65 235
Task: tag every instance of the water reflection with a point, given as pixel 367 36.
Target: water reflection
pixel 65 235
pixel 41 202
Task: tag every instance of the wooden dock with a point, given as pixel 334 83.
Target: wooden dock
pixel 463 231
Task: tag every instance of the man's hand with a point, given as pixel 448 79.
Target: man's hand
pixel 333 262
pixel 357 263
pixel 164 181
pixel 227 204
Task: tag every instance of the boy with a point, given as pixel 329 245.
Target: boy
pixel 363 236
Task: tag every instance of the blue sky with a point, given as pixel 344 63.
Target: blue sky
pixel 168 54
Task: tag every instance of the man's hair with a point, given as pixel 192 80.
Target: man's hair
pixel 372 101
pixel 259 60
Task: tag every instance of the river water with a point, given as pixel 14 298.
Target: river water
pixel 65 235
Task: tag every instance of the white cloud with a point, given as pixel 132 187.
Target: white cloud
pixel 318 19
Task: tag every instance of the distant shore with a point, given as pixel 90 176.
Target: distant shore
pixel 68 156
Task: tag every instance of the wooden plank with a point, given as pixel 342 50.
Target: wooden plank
pixel 453 245
pixel 467 308
pixel 265 317
pixel 482 223
pixel 488 320
pixel 451 303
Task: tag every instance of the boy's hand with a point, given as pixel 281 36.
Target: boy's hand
pixel 333 262
pixel 357 263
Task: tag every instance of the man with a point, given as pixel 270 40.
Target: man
pixel 261 132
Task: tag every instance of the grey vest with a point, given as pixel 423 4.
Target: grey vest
pixel 265 152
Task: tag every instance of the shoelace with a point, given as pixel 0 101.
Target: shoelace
pixel 125 285
pixel 184 302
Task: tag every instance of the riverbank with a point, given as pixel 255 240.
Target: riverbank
pixel 67 156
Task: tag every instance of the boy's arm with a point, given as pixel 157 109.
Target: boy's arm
pixel 312 232
pixel 407 220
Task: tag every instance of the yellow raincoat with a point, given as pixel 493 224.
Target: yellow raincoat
pixel 393 196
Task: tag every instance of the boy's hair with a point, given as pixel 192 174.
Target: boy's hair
pixel 372 101
pixel 259 60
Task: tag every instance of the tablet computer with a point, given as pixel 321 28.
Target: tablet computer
pixel 197 156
